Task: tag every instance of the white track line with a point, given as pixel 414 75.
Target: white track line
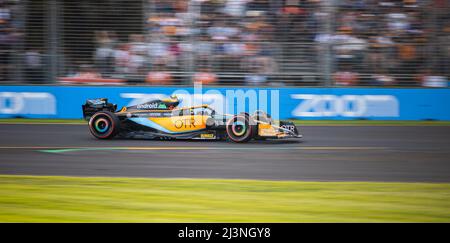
pixel 195 148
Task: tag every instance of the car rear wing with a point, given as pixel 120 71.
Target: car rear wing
pixel 94 105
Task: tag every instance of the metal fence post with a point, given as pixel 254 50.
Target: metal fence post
pixel 53 35
pixel 329 8
pixel 193 10
pixel 19 48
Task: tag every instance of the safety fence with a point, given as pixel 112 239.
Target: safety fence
pixel 226 42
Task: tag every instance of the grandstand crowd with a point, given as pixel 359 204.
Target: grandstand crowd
pixel 268 42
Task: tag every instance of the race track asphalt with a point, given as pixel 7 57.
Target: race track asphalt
pixel 326 153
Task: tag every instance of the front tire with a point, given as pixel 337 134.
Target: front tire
pixel 239 129
pixel 104 125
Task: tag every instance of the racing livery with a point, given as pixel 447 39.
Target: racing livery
pixel 163 119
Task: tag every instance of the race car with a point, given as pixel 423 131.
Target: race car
pixel 163 119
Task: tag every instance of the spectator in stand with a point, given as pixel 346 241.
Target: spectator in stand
pixel 136 63
pixel 259 65
pixel 9 37
pixel 159 49
pixel 397 19
pixel 5 54
pixel 138 44
pixel 5 12
pixel 380 55
pixel 234 47
pixel 234 50
pixel 349 48
pixel 34 66
pixel 104 54
pixel 87 72
pixel 236 8
pixel 444 50
pixel 164 6
pixel 158 76
pixel 204 50
pixel 433 79
pixel 205 76
pixel 175 53
pixel 135 59
pixel 408 58
pixel 371 42
pixel 345 78
pixel 382 79
pixel 121 59
pixel 222 31
pixel 292 18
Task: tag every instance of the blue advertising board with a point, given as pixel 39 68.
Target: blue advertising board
pixel 64 102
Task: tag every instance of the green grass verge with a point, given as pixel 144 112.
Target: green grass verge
pixel 74 199
pixel 297 122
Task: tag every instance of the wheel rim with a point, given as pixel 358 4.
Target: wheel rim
pixel 101 125
pixel 238 128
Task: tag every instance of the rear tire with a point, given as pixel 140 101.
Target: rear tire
pixel 239 129
pixel 104 125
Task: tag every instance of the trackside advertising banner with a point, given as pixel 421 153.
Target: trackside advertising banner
pixel 64 102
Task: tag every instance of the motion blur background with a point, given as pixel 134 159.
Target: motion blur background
pixel 336 63
pixel 226 42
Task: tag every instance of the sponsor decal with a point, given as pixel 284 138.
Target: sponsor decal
pixel 207 136
pixel 147 106
pixel 330 103
pixel 313 105
pixel 27 103
pixel 185 123
pixel 289 127
pixel 153 114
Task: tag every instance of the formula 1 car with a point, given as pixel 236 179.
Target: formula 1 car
pixel 163 119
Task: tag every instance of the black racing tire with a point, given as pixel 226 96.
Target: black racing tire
pixel 240 129
pixel 104 125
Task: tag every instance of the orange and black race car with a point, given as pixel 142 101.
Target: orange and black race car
pixel 163 119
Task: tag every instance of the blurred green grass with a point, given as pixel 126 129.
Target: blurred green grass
pixel 88 199
pixel 297 122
